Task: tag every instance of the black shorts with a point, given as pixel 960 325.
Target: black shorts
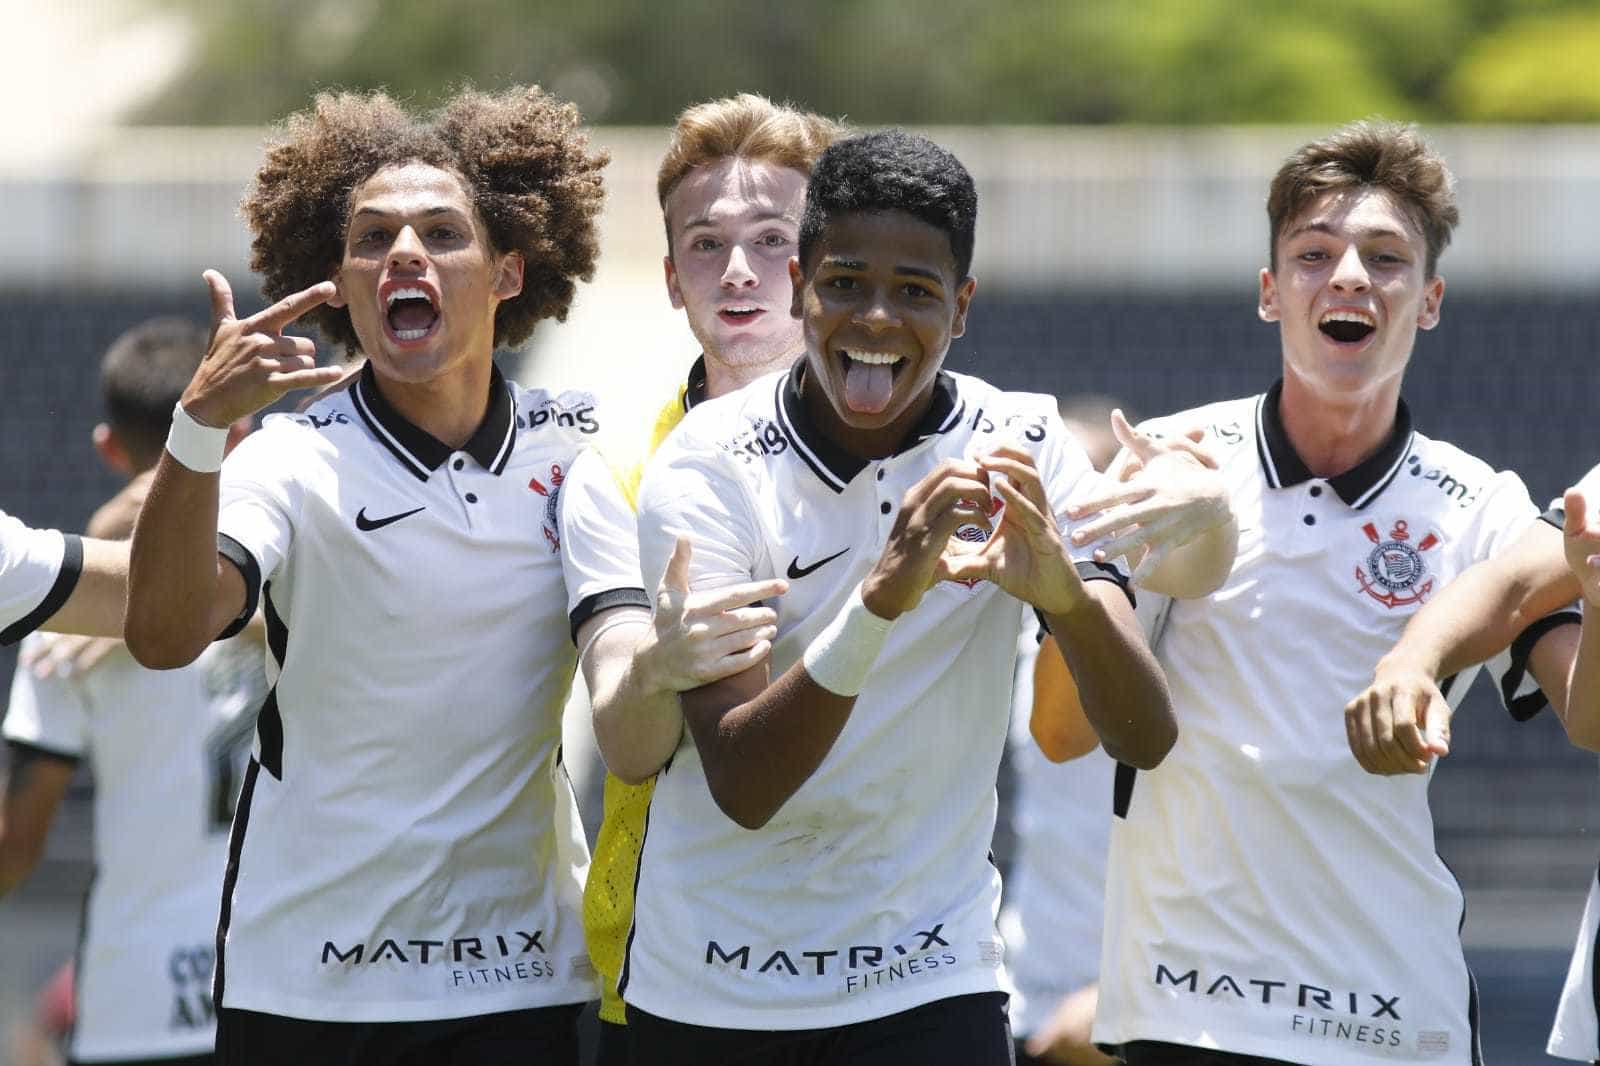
pixel 1152 1053
pixel 960 1031
pixel 611 1049
pixel 542 1036
pixel 186 1060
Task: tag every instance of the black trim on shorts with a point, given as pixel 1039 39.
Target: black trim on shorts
pixel 241 822
pixel 1122 789
pixel 179 1060
pixel 1521 648
pixel 60 591
pixel 592 605
pixel 250 570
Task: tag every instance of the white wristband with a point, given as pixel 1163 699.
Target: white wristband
pixel 194 444
pixel 841 656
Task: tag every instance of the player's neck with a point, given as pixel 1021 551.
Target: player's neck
pixel 449 407
pixel 1335 434
pixel 723 378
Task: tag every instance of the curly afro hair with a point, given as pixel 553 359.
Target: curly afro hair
pixel 892 170
pixel 523 156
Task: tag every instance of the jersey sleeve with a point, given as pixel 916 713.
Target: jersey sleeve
pixel 599 541
pixel 49 714
pixel 689 491
pixel 1505 513
pixel 39 568
pixel 259 499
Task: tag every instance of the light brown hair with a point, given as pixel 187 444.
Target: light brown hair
pixel 1371 153
pixel 746 126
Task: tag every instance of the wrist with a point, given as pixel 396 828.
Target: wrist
pixel 1401 661
pixel 843 654
pixel 874 599
pixel 194 444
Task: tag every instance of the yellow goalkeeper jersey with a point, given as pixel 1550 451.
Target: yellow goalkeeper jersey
pixel 608 896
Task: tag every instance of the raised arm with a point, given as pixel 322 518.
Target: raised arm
pixel 181 593
pixel 759 739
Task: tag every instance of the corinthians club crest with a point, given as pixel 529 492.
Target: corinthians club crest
pixel 1396 571
pixel 551 494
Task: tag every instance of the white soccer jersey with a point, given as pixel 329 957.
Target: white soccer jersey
pixel 168 751
pixel 407 846
pixel 1576 1033
pixel 1265 894
pixel 39 568
pixel 871 890
pixel 1055 895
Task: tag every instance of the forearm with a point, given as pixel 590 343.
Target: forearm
pixel 172 578
pixel 1198 568
pixel 1056 721
pixel 759 752
pixel 637 720
pixel 1582 717
pixel 97 603
pixel 1120 686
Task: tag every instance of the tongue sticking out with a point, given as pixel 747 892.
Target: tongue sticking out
pixel 867 386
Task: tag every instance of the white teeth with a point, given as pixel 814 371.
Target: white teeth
pixel 741 310
pixel 411 334
pixel 872 358
pixel 1349 316
pixel 407 294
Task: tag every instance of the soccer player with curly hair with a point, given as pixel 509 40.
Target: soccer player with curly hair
pixel 406 864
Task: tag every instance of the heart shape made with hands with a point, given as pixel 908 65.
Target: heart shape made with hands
pixel 972 535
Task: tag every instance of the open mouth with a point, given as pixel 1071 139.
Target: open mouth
pixel 1348 327
pixel 739 315
pixel 410 312
pixel 869 378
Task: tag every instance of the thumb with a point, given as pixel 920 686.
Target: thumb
pixel 677 576
pixel 1128 437
pixel 1436 726
pixel 1577 512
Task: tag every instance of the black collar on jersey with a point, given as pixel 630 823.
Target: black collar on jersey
pixel 1359 485
pixel 420 451
pixel 835 466
pixel 694 390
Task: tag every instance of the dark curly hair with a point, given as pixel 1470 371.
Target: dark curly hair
pixel 523 156
pixel 892 171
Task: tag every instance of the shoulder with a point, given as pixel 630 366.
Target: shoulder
pixel 574 413
pixel 1228 424
pixel 314 428
pixel 743 424
pixel 1457 479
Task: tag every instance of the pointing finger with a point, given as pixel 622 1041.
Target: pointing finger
pixel 1137 443
pixel 291 307
pixel 724 599
pixel 676 579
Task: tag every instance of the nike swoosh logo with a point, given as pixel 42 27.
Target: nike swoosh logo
pixel 796 571
pixel 367 525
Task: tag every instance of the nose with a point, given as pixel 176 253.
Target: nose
pixel 737 274
pixel 877 313
pixel 1350 273
pixel 407 250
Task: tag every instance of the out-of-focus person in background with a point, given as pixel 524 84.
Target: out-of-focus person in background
pixel 1060 817
pixel 731 187
pixel 167 749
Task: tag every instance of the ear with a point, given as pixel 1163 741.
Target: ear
pixel 109 447
pixel 674 294
pixel 964 293
pixel 337 299
pixel 508 276
pixel 797 281
pixel 1267 302
pixel 1432 301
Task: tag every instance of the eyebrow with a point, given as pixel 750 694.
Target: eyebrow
pixel 381 213
pixel 765 216
pixel 1323 227
pixel 856 264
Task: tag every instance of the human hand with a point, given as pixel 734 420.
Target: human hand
pixel 1024 554
pixel 953 493
pixel 250 363
pixel 1401 722
pixel 1064 1037
pixel 1581 539
pixel 1167 492
pixel 696 638
pixel 62 655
